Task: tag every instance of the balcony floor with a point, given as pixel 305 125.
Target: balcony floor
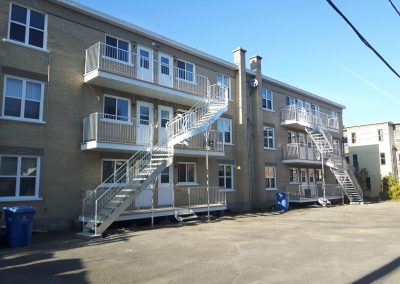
pixel 136 86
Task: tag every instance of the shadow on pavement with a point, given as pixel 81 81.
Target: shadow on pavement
pixel 380 273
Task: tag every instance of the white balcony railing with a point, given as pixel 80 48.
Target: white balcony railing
pixel 198 196
pixel 302 115
pixel 311 192
pixel 198 142
pixel 121 62
pixel 107 128
pixel 297 151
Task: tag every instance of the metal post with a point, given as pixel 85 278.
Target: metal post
pixel 152 202
pixel 206 135
pixel 323 176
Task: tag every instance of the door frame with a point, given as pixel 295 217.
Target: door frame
pixel 171 66
pixel 151 119
pixel 160 108
pixel 170 187
pixel 151 71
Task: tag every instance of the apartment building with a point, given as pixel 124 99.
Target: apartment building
pixel 376 148
pixel 102 120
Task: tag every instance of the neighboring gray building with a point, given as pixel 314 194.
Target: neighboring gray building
pixel 83 91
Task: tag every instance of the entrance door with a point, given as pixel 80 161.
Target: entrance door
pixel 144 123
pixel 311 180
pixel 165 70
pixel 310 149
pixel 144 64
pixel 165 188
pixel 304 183
pixel 302 146
pixel 164 116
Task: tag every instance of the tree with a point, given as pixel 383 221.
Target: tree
pixel 390 188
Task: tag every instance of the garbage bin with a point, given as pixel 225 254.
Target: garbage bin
pixel 282 201
pixel 19 221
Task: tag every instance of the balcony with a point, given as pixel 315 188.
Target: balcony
pixel 299 193
pixel 300 117
pixel 105 132
pixel 300 154
pixel 118 69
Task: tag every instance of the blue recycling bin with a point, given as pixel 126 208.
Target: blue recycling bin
pixel 282 201
pixel 19 220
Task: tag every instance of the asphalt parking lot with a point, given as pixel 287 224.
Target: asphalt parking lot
pixel 344 244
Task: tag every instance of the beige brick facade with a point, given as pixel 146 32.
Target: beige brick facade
pixel 66 171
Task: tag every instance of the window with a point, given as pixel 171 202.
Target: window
pixel 186 173
pixel 290 101
pixel 113 171
pixel 267 100
pixel 315 110
pixel 368 184
pixel 19 177
pixel 225 176
pixel 355 161
pixel 380 135
pixel 293 175
pixel 398 158
pixel 118 49
pixel 347 159
pixel 116 108
pixel 27 26
pixel 269 138
pixel 270 178
pixel 383 159
pixel 292 137
pixel 224 126
pixel 353 137
pixel 300 104
pixel 185 71
pixel 225 81
pixel 23 99
pixel 318 175
pixel 333 114
pixel 165 176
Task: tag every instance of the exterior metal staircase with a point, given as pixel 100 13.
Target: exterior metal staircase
pixel 103 205
pixel 337 164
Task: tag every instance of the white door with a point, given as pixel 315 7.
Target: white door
pixel 144 64
pixel 310 149
pixel 302 146
pixel 311 180
pixel 304 183
pixel 164 116
pixel 144 123
pixel 165 70
pixel 165 188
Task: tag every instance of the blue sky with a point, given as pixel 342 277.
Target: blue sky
pixel 303 43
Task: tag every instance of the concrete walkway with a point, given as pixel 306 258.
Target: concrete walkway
pixel 342 244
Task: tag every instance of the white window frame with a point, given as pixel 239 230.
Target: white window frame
pixel 18 179
pixel 195 174
pixel 380 135
pixel 229 84
pixel 274 177
pixel 129 49
pixel 110 160
pixel 23 99
pixel 27 27
pixel 266 128
pixel 129 118
pixel 318 174
pixel 297 176
pixel 382 158
pixel 225 176
pixel 194 71
pixel 264 95
pixel 226 120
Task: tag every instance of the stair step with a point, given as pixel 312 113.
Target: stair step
pixel 87 235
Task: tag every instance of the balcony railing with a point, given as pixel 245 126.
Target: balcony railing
pixel 297 151
pixel 199 196
pixel 302 115
pixel 311 192
pixel 108 128
pixel 121 62
pixel 198 142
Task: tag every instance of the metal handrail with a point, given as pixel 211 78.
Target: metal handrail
pixel 292 151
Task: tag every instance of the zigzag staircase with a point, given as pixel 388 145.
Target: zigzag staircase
pixel 103 205
pixel 338 165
